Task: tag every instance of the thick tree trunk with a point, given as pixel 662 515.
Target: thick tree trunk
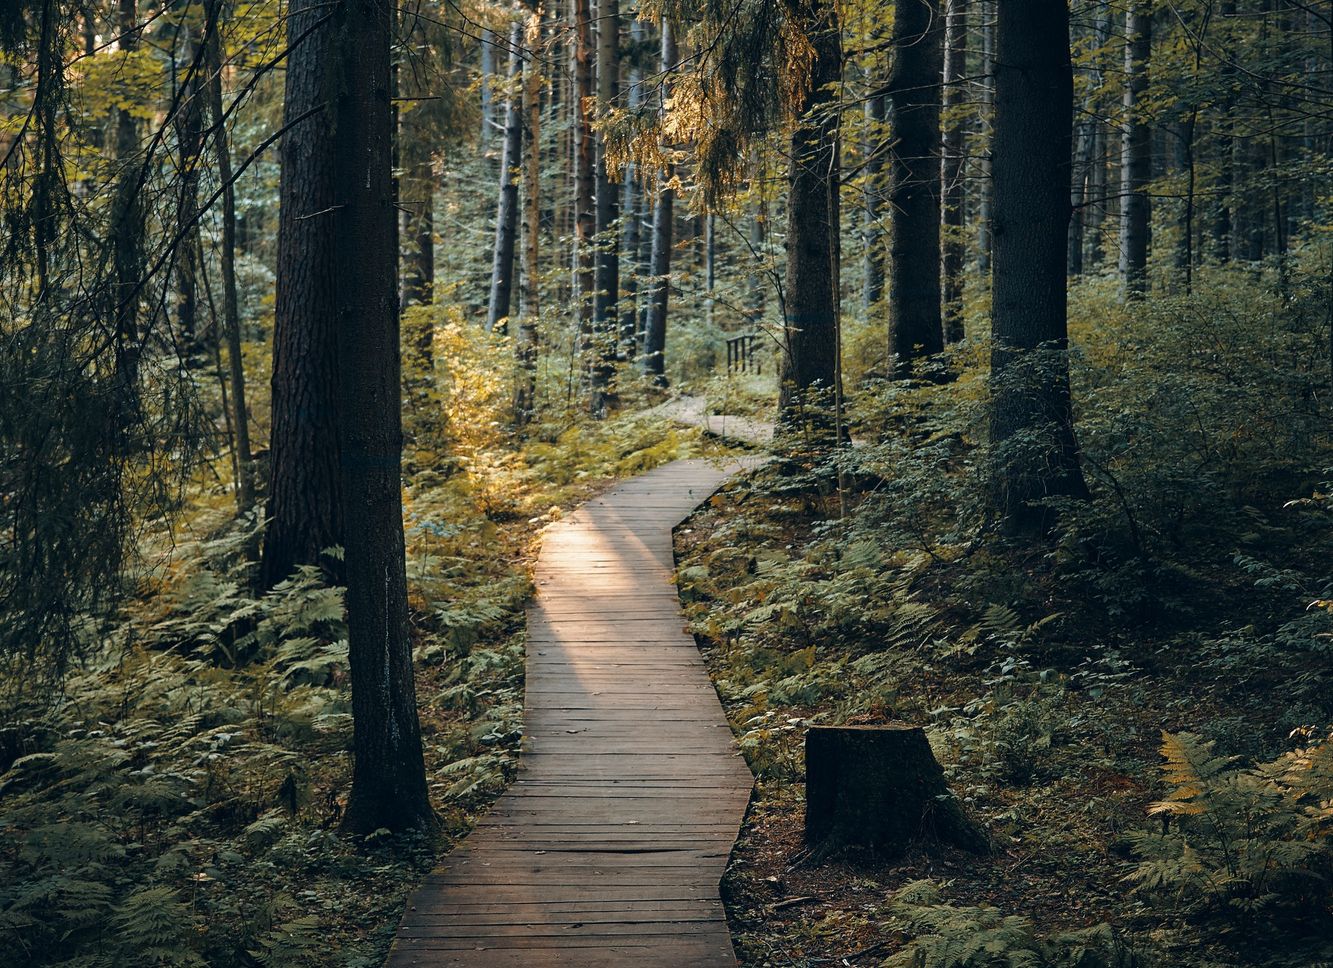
pixel 231 315
pixel 304 491
pixel 1032 428
pixel 808 391
pixel 985 170
pixel 880 787
pixel 915 325
pixel 1135 154
pixel 529 270
pixel 388 777
pixel 506 207
pixel 953 199
pixel 607 281
pixel 659 268
pixel 876 141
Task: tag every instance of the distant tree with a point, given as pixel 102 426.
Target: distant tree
pixel 506 207
pixel 388 776
pixel 606 284
pixel 953 145
pixel 1032 424
pixel 1135 152
pixel 659 263
pixel 915 325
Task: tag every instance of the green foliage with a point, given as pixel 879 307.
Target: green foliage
pixel 945 936
pixel 1242 844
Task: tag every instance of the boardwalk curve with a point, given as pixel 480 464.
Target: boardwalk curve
pixel 609 847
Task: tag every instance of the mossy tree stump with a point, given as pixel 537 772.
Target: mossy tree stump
pixel 880 787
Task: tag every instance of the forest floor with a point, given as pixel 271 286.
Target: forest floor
pixel 1047 730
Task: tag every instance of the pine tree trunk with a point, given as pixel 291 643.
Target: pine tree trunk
pixel 1035 454
pixel 304 490
pixel 506 206
pixel 953 206
pixel 389 777
pixel 659 268
pixel 985 170
pixel 585 180
pixel 1095 201
pixel 231 315
pixel 808 389
pixel 127 217
pixel 607 281
pixel 189 125
pixel 529 270
pixel 1136 154
pixel 876 142
pixel 488 66
pixel 1223 222
pixel 631 205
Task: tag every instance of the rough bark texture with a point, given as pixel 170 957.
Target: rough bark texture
pixel 585 181
pixel 231 315
pixel 607 282
pixel 915 326
pixel 880 787
pixel 388 777
pixel 809 372
pixel 953 199
pixel 1031 418
pixel 873 235
pixel 529 270
pixel 506 206
pixel 985 183
pixel 659 262
pixel 631 207
pixel 304 494
pixel 1135 154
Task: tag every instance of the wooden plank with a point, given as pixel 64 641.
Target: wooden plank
pixel 609 847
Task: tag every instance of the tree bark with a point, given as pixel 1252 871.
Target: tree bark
pixel 1135 154
pixel 607 282
pixel 529 271
pixel 585 181
pixel 659 268
pixel 189 125
pixel 231 315
pixel 808 377
pixel 1032 428
pixel 304 490
pixel 389 776
pixel 506 206
pixel 127 217
pixel 1223 222
pixel 873 235
pixel 880 787
pixel 915 325
pixel 985 170
pixel 631 207
pixel 953 205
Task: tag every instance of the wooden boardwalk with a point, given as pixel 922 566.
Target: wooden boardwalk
pixel 609 847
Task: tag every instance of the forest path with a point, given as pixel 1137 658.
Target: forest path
pixel 609 847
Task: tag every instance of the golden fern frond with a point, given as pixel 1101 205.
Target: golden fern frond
pixel 1190 766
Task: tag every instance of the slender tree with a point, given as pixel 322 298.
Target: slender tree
pixel 389 776
pixel 606 285
pixel 808 378
pixel 985 183
pixel 1135 153
pixel 506 207
pixel 659 269
pixel 876 108
pixel 953 143
pixel 1031 413
pixel 231 315
pixel 631 206
pixel 585 181
pixel 529 273
pixel 304 490
pixel 127 215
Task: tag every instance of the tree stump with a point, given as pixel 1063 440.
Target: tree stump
pixel 880 787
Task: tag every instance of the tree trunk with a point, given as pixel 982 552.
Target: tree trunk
pixel 1032 427
pixel 951 170
pixel 607 282
pixel 632 206
pixel 880 787
pixel 304 491
pixel 506 207
pixel 876 141
pixel 529 271
pixel 487 90
pixel 189 125
pixel 389 776
pixel 585 181
pixel 1095 200
pixel 127 218
pixel 808 389
pixel 1223 222
pixel 231 315
pixel 1135 154
pixel 985 170
pixel 659 268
